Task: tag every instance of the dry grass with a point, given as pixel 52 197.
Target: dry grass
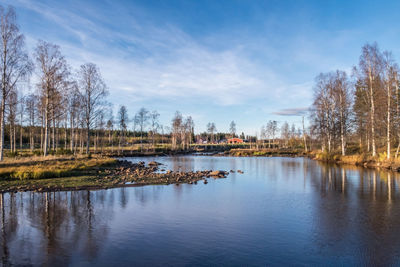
pixel 239 152
pixel 50 167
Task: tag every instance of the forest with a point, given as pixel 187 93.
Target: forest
pixel 359 112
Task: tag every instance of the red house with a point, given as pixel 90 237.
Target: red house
pixel 235 141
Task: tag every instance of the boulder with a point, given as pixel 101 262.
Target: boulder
pixel 218 173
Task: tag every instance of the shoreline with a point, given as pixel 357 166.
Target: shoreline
pixel 108 173
pixel 120 173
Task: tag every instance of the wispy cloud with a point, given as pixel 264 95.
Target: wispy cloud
pixel 292 112
pixel 174 66
pixel 152 62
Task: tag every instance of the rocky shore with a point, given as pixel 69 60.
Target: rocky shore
pixel 140 174
pixel 123 174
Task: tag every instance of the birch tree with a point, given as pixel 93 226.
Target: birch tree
pixel 52 69
pixel 369 70
pixel 123 124
pixel 154 124
pixel 93 91
pixel 15 64
pixel 342 98
pixel 141 119
pixel 390 71
pixel 175 128
pixel 31 110
pixel 211 129
pixel 232 129
pixel 271 130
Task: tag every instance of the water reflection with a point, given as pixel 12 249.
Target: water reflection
pixel 365 218
pixel 49 228
pixel 281 211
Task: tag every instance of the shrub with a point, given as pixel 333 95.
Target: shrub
pixel 12 154
pixel 382 156
pixel 63 151
pixel 37 152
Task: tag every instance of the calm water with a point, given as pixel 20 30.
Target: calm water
pixel 281 211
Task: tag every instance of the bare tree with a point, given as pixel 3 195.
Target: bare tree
pixel 211 129
pixel 74 107
pixel 53 70
pixel 31 110
pixel 123 124
pixel 154 124
pixel 390 71
pixel 342 98
pixel 15 64
pixel 271 130
pixel 100 123
pixel 370 67
pixel 285 132
pixel 12 117
pixel 177 122
pixel 304 135
pixel 232 129
pixel 110 128
pixel 189 126
pixel 141 119
pixel 324 109
pixel 93 90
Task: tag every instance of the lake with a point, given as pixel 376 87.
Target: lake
pixel 280 211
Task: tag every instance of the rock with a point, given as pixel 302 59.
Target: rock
pixel 153 163
pixel 205 181
pixel 240 171
pixel 218 173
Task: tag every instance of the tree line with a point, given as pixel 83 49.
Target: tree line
pixel 64 97
pixel 361 109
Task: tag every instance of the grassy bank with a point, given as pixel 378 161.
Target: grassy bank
pixel 51 167
pixel 265 152
pixel 54 172
pixel 57 173
pixel 364 160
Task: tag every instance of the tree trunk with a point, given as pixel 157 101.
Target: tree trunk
pixel 15 138
pixel 72 134
pixel 2 111
pixel 87 138
pixel 46 129
pixel 388 122
pixel 304 136
pixel 20 136
pixel 371 92
pixel 31 139
pixel 11 138
pixel 53 134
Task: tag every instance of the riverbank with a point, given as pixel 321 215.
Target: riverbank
pixel 65 173
pixel 265 152
pixel 87 173
pixel 362 160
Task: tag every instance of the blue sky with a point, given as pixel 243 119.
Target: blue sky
pixel 247 61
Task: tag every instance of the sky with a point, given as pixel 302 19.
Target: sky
pixel 215 60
